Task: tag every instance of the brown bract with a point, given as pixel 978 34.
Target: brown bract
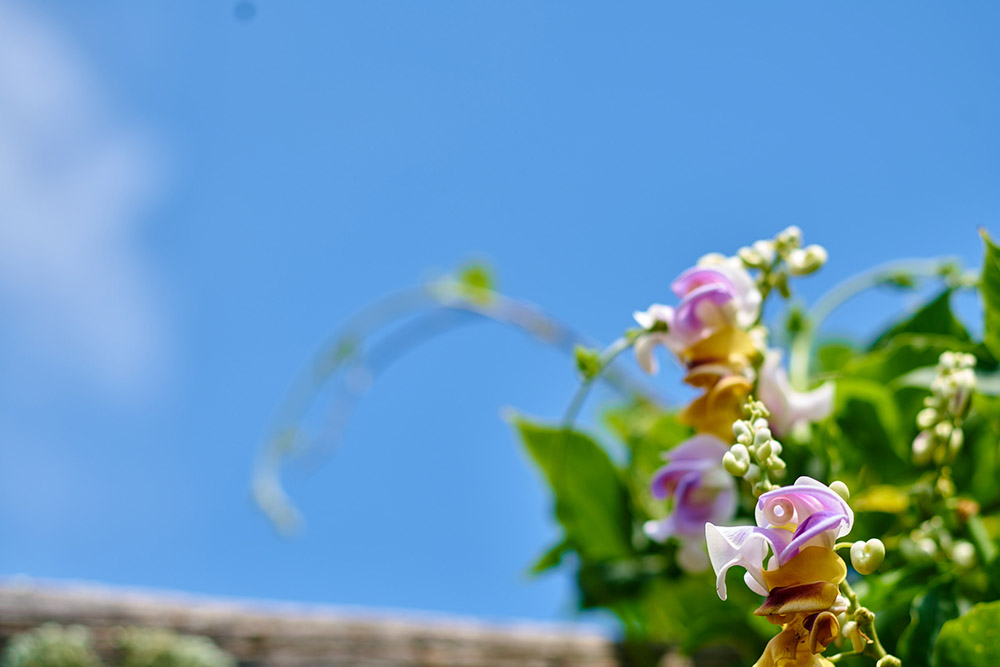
pixel 801 595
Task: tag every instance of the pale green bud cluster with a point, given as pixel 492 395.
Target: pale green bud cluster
pixel 933 541
pixel 781 257
pixel 940 421
pixel 756 456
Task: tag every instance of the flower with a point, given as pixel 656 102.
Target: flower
pixel 719 303
pixel 710 333
pixel 701 491
pixel 789 408
pixel 726 390
pixel 798 525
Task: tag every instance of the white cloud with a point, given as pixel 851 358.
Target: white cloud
pixel 76 294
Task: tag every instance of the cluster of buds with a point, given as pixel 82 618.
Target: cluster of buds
pixel 940 421
pixel 932 539
pixel 756 456
pixel 781 257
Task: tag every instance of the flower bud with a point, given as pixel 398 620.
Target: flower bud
pixel 753 473
pixel 852 632
pixel 741 431
pixel 763 450
pixel 927 418
pixel 840 489
pixel 790 236
pixel 963 554
pixel 734 466
pixel 943 431
pixel 802 262
pixel 761 436
pixel 926 547
pixel 766 251
pixel 889 661
pixel 867 556
pixel 923 447
pixel 956 440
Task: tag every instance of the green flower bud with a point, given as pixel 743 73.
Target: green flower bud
pixel 763 450
pixel 741 431
pixel 867 556
pixel 790 236
pixel 963 554
pixel 753 473
pixel 943 431
pixel 734 466
pixel 750 257
pixel 889 661
pixel 927 418
pixel 761 436
pixel 956 440
pixel 840 489
pixel 802 262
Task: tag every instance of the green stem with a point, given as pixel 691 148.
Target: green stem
pixel 607 356
pixel 801 349
pixel 865 620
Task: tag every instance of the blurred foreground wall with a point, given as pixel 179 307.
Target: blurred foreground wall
pixel 276 634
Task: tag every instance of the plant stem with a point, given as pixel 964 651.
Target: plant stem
pixel 801 349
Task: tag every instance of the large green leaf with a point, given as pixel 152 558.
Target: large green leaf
pixel 590 499
pixel 972 640
pixel 869 419
pixel 935 317
pixel 989 290
pixel 647 431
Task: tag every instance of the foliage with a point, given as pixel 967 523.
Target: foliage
pixel 52 645
pixel 156 647
pixel 893 436
pixel 939 518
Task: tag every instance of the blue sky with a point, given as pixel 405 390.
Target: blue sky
pixel 191 202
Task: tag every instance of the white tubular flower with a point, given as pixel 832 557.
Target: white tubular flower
pixel 790 408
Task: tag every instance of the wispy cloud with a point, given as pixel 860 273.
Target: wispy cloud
pixel 76 294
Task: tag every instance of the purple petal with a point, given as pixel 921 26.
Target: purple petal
pixel 817 528
pixel 698 276
pixel 792 505
pixel 701 447
pixel 687 318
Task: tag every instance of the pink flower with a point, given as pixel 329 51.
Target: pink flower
pixel 789 519
pixel 701 490
pixel 716 294
pixel 789 408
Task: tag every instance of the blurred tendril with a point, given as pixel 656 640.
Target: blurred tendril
pixel 901 274
pixel 375 338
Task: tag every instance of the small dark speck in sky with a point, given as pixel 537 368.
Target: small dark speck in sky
pixel 245 11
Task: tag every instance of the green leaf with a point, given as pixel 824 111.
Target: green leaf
pixel 590 498
pixel 989 290
pixel 647 431
pixel 552 558
pixel 476 283
pixel 870 421
pixel 928 614
pixel 935 317
pixel 972 640
pixel 834 355
pixel 588 361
